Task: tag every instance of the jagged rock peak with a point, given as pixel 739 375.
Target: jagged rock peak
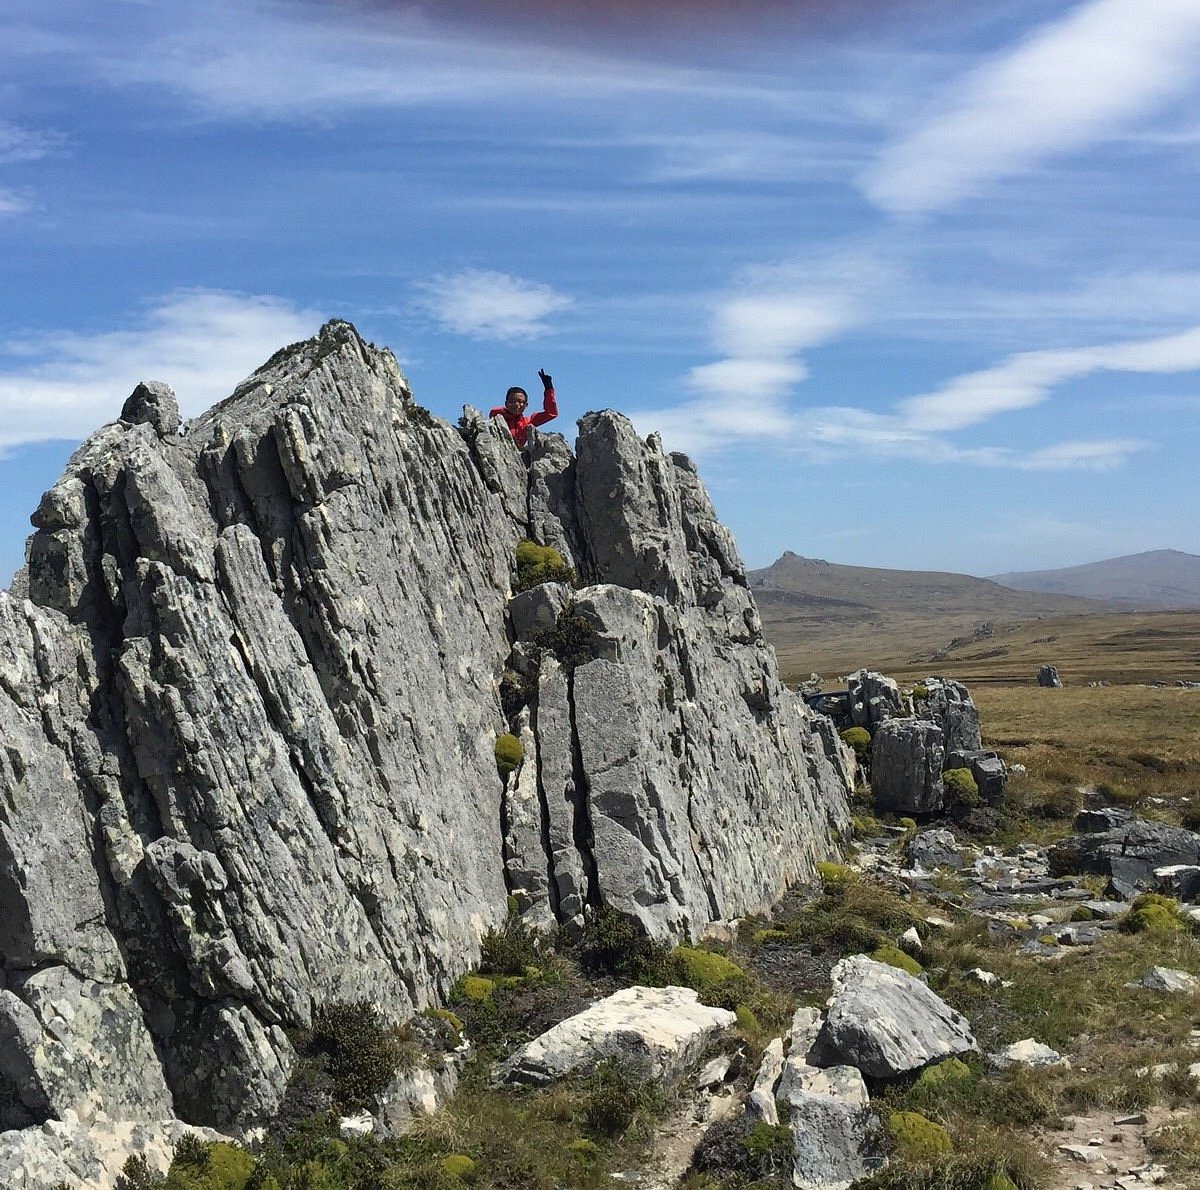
pixel 250 710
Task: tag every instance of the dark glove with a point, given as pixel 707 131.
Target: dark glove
pixel 547 383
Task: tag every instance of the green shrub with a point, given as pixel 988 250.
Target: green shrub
pixel 961 788
pixel 444 1014
pixel 747 1020
pixel 511 949
pixel 361 1052
pixel 509 753
pixel 616 1096
pixel 917 1138
pixel 200 1166
pixel 540 564
pixel 865 826
pixel 138 1174
pixel 613 944
pixel 895 957
pixel 859 738
pixel 458 1166
pixel 999 1181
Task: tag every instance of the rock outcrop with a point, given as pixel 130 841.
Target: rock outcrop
pixel 249 712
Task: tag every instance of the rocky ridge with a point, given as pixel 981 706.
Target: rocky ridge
pixel 249 711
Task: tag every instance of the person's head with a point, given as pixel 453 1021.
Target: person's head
pixel 516 399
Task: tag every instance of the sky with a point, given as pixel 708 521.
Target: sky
pixel 917 282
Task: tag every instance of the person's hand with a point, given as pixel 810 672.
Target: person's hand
pixel 547 383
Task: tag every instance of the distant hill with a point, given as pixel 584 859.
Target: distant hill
pixel 830 619
pixel 1158 580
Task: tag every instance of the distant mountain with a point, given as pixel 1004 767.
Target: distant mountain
pixel 815 585
pixel 828 618
pixel 1158 580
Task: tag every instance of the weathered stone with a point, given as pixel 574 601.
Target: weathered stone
pixel 1181 881
pixel 948 704
pixel 1048 677
pixel 660 1032
pixel 153 403
pixel 250 710
pixel 1127 854
pixel 886 1023
pixel 934 849
pixel 906 767
pixel 760 1103
pixel 874 698
pixel 1166 979
pixel 1026 1053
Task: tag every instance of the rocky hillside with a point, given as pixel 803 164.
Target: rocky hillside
pixel 250 711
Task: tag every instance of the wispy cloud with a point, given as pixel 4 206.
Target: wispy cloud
pixel 1069 84
pixel 491 306
pixel 25 144
pixel 202 342
pixel 14 202
pixel 1027 379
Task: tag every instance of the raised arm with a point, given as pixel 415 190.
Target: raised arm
pixel 549 401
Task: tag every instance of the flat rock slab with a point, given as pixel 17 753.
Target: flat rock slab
pixel 660 1031
pixel 1026 1053
pixel 887 1023
pixel 1166 979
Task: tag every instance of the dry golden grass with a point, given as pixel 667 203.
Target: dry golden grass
pixel 1131 742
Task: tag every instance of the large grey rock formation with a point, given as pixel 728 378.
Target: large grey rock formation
pixel 249 708
pixel 906 767
pixel 949 704
pixel 1130 854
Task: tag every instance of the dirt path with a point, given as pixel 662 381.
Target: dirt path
pixel 1107 1151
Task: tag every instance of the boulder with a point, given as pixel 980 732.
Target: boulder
pixel 1026 1053
pixel 153 403
pixel 1048 677
pixel 1167 979
pixel 934 849
pixel 989 771
pixel 1128 854
pixel 906 767
pixel 660 1032
pixel 886 1023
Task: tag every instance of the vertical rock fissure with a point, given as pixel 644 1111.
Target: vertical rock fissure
pixel 582 834
pixel 544 819
pixel 507 856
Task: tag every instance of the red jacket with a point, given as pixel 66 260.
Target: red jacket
pixel 518 425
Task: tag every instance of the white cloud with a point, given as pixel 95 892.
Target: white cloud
pixel 1026 379
pixel 13 203
pixel 1078 80
pixel 489 305
pixel 202 342
pixel 24 144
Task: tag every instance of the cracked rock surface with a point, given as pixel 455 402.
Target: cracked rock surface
pixel 248 714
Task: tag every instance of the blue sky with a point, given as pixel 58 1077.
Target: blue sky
pixel 917 281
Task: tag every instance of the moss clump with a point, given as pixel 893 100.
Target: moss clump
pixel 747 1020
pixel 458 1166
pixel 917 1138
pixel 1152 917
pixel 572 640
pixel 474 987
pixel 509 753
pixel 451 1018
pixel 705 968
pixel 541 564
pixel 833 876
pixel 859 738
pixel 920 692
pixel 200 1166
pixel 952 1070
pixel 584 1150
pixel 895 957
pixel 1082 913
pixel 864 826
pixel 961 788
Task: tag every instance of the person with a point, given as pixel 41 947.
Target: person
pixel 513 410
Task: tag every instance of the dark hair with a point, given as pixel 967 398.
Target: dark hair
pixel 516 388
